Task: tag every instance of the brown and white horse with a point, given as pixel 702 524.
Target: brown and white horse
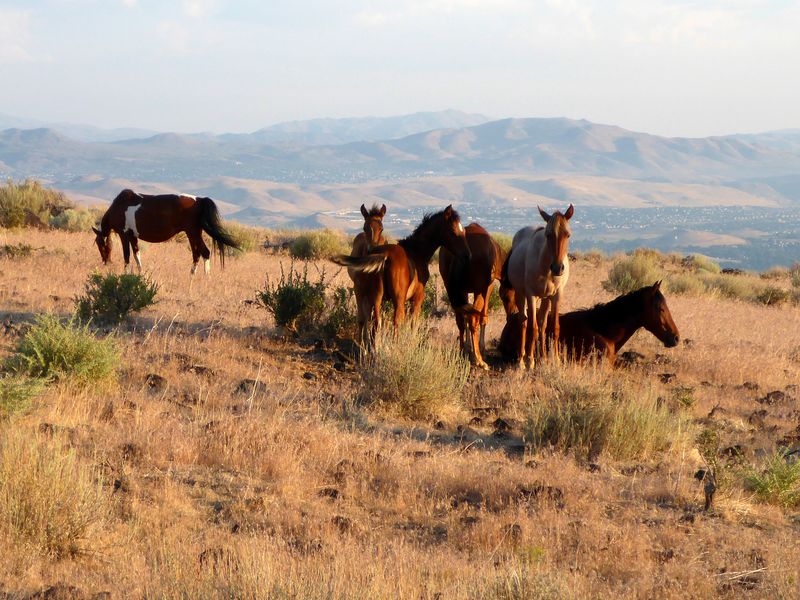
pixel 537 269
pixel 400 271
pixel 475 277
pixel 364 242
pixel 156 219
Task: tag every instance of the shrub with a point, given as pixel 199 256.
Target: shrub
pixel 773 296
pixel 48 500
pixel 700 262
pixel 737 288
pixel 341 318
pixel 111 298
pixel 14 251
pixel 16 393
pixel 75 220
pixel 247 238
pixel 775 273
pixel 589 412
pixel 504 241
pixel 778 482
pixel 63 351
pixel 632 272
pixel 594 256
pixel 412 376
pixel 685 283
pixel 314 245
pixel 28 203
pixel 294 302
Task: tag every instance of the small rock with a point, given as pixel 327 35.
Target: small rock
pixel 531 464
pixel 772 397
pixel 476 421
pixel 689 343
pixel 201 370
pixel 630 357
pixel 667 377
pixel 339 366
pixel 155 383
pixel 594 468
pixel 465 432
pixel 344 524
pixel 309 375
pixel 440 425
pixel 513 531
pixel 329 492
pixel 248 386
pixel 748 385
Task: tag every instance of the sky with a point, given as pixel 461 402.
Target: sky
pixel 670 67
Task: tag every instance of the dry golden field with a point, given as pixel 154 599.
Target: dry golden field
pixel 193 482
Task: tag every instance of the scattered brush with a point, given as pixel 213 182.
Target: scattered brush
pixel 49 501
pixel 111 298
pixel 777 482
pixel 633 272
pixel 294 301
pixel 16 393
pixel 14 251
pixel 29 204
pixel 247 238
pixel 317 245
pixel 412 376
pixel 76 219
pixel 55 350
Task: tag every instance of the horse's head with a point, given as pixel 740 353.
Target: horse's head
pixel 557 233
pixel 373 224
pixel 103 244
pixel 657 318
pixel 454 238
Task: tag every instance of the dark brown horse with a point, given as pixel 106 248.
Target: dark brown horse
pixel 605 328
pixel 157 219
pixel 400 271
pixel 475 277
pixel 364 242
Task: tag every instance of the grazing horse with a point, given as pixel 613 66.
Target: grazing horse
pixel 476 277
pixel 400 271
pixel 537 267
pixel 605 328
pixel 363 244
pixel 158 218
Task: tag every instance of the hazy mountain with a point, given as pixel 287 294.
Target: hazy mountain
pixel 84 133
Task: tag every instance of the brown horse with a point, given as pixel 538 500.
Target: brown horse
pixel 605 328
pixel 157 219
pixel 400 271
pixel 476 277
pixel 363 244
pixel 537 268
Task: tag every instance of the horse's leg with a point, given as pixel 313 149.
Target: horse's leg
pixel 541 321
pixel 485 316
pixel 416 301
pixel 478 325
pixel 136 256
pixel 126 250
pixel 460 323
pixel 520 301
pixel 556 325
pixel 193 244
pixel 376 302
pixel 533 332
pixel 205 252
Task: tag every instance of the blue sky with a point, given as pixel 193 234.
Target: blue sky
pixel 674 67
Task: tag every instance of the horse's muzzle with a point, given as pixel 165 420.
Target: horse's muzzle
pixel 671 340
pixel 557 269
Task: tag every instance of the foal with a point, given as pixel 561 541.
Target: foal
pixel 401 270
pixel 363 244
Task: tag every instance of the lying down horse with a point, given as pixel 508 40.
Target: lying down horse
pixel 605 328
pixel 157 219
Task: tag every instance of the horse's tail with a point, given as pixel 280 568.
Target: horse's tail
pixel 211 223
pixel 369 263
pixel 504 280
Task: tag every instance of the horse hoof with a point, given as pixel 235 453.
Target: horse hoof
pixel 484 366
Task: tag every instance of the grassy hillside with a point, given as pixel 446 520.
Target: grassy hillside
pixel 226 458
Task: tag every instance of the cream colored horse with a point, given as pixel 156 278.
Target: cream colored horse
pixel 538 269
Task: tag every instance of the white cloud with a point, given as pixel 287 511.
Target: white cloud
pixel 198 9
pixel 174 35
pixel 15 36
pixel 130 3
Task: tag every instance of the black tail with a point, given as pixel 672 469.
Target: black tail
pixel 212 225
pixel 369 263
pixel 504 281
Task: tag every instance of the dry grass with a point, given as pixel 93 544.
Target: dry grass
pixel 228 462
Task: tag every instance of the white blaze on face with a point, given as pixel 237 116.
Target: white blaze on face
pixel 130 219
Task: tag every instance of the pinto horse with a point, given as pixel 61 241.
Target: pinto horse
pixel 537 268
pixel 476 277
pixel 605 328
pixel 363 243
pixel 400 271
pixel 157 219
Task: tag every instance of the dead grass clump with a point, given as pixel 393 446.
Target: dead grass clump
pixel 48 499
pixel 633 272
pixel 526 583
pixel 16 393
pixel 64 351
pixel 411 375
pixel 588 411
pixel 777 482
pixel 316 245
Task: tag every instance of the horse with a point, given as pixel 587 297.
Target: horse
pixel 155 219
pixel 363 243
pixel 476 277
pixel 400 271
pixel 605 328
pixel 537 268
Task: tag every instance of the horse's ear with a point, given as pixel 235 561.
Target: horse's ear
pixel 364 211
pixel 545 216
pixel 96 230
pixel 657 286
pixel 448 212
pixel 383 210
pixel 569 213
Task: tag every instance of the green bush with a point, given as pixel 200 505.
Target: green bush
pixel 700 262
pixel 341 317
pixel 773 296
pixel 736 288
pixel 633 272
pixel 28 203
pixel 63 351
pixel 409 374
pixel 111 298
pixel 75 220
pixel 685 283
pixel 294 301
pixel 778 482
pixel 315 245
pixel 247 238
pixel 17 392
pixel 14 251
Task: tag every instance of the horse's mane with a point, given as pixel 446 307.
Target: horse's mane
pixel 426 222
pixel 375 211
pixel 616 310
